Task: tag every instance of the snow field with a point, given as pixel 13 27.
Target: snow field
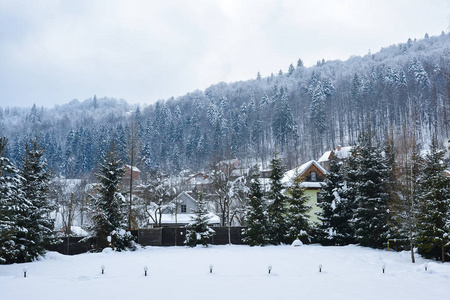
pixel 239 272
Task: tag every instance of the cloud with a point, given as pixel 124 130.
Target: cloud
pixel 142 51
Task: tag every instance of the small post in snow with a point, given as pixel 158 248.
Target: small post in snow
pixel 103 269
pixel 320 268
pixel 25 272
pixel 383 267
pixel 210 268
pixel 269 268
pixel 145 270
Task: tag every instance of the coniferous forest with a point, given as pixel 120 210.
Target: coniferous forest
pixel 392 106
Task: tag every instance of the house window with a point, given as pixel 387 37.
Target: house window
pixel 183 208
pixel 313 176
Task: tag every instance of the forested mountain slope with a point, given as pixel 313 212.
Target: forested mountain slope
pixel 299 113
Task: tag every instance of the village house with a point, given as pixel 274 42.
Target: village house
pixel 341 153
pixel 132 172
pixel 313 176
pixel 182 212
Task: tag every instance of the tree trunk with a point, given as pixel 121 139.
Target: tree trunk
pixel 411 244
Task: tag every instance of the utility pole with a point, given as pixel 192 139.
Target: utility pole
pixel 69 224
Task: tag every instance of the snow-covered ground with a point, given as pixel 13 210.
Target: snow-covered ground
pixel 239 272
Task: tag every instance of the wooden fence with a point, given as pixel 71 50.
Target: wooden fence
pixel 152 237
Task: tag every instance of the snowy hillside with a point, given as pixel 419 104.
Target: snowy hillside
pixel 239 272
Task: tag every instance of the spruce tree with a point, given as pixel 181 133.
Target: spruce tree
pixel 434 201
pixel 12 206
pixel 371 214
pixel 299 224
pixel 107 207
pixel 291 69
pixel 335 227
pixel 347 205
pixel 277 209
pixel 35 211
pixel 256 217
pixel 198 232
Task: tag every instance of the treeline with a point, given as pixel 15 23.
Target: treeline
pixel 378 195
pixel 299 113
pixel 389 194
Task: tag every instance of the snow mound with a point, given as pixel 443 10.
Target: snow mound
pixel 297 243
pixel 107 250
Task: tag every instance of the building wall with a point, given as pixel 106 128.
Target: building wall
pixel 191 205
pixel 312 193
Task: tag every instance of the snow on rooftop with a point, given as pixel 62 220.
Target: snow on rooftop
pixel 134 169
pixel 343 152
pixel 186 218
pixel 325 156
pixel 340 152
pixel 289 175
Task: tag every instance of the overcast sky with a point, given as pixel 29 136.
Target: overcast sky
pixel 54 51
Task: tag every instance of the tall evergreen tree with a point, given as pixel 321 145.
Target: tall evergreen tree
pixel 277 209
pixel 107 207
pixel 335 227
pixel 12 207
pixel 36 218
pixel 433 239
pixel 256 218
pixel 371 214
pixel 291 69
pixel 297 215
pixel 198 232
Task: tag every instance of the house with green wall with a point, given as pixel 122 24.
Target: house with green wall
pixel 313 176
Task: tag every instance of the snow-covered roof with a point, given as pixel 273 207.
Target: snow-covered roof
pixel 186 218
pixel 325 156
pixel 340 152
pixel 134 169
pixel 289 175
pixel 343 152
pixel 187 195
